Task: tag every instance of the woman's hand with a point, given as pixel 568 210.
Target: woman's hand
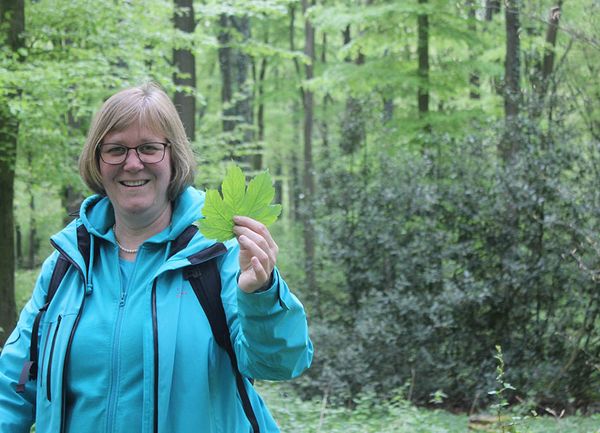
pixel 258 253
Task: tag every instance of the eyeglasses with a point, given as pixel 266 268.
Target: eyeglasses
pixel 148 153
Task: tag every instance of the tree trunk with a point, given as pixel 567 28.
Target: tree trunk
pixel 226 70
pixel 545 69
pixel 353 124
pixel 474 75
pixel 71 201
pixel 492 7
pixel 19 245
pixel 323 125
pixel 236 96
pixel 257 161
pixel 185 69
pixel 308 173
pixel 13 13
pixel 295 176
pixel 510 143
pixel 32 231
pixel 423 71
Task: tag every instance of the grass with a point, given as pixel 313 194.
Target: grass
pixel 298 416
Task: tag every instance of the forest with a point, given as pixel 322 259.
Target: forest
pixel 438 164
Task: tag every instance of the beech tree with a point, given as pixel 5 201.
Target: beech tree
pixel 511 142
pixel 12 27
pixel 185 69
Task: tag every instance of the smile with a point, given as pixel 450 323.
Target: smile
pixel 133 183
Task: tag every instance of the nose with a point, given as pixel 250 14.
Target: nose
pixel 132 160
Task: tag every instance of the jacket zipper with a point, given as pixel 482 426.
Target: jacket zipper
pixel 114 380
pixel 63 403
pixel 49 369
pixel 155 342
pixel 155 333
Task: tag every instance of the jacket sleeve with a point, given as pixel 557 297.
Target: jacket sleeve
pixel 269 331
pixel 17 410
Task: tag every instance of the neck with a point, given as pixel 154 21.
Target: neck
pixel 131 232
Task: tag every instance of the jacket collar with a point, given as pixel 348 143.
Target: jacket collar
pixel 97 215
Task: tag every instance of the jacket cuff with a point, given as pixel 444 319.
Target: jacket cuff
pixel 264 299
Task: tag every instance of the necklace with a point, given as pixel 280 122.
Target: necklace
pixel 121 247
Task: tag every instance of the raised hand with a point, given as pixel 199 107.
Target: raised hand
pixel 258 253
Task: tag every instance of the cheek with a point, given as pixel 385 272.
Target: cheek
pixel 105 171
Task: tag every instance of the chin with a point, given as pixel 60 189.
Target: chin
pixel 137 208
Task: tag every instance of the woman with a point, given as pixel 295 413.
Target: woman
pixel 124 345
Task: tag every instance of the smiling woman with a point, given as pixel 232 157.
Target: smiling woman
pixel 119 348
pixel 136 186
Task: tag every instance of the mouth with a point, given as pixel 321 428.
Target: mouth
pixel 133 183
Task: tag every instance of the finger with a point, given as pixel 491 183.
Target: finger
pixel 262 276
pixel 256 227
pixel 256 252
pixel 260 241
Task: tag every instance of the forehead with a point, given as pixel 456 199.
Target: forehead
pixel 135 133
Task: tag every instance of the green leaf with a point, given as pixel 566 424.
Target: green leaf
pixel 253 202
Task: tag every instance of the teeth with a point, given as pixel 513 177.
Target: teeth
pixel 134 182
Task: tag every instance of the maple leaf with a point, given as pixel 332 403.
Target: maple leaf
pixel 253 201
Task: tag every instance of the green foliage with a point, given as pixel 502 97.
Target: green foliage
pixel 253 201
pixel 455 258
pixel 397 416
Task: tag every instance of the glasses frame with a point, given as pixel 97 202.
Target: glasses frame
pixel 165 145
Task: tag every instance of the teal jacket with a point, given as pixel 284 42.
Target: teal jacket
pixel 195 385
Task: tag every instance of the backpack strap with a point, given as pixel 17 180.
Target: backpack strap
pixel 30 367
pixel 205 279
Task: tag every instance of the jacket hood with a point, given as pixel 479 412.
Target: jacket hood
pixel 97 215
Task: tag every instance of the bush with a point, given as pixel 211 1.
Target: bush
pixel 427 267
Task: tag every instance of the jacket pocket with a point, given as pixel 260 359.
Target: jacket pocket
pixel 50 356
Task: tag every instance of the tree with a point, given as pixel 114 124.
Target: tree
pixel 236 95
pixel 12 13
pixel 353 123
pixel 308 172
pixel 185 65
pixel 510 143
pixel 423 53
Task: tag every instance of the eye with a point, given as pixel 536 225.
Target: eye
pixel 149 148
pixel 113 149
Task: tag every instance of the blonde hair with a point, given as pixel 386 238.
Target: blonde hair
pixel 151 107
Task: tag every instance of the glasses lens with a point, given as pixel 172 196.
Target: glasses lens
pixel 113 153
pixel 151 152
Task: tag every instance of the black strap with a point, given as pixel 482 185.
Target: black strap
pixel 205 279
pixel 206 283
pixel 30 367
pixel 62 265
pixel 183 240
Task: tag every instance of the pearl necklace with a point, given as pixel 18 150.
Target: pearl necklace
pixel 121 247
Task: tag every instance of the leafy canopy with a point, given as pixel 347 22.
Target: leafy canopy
pixel 236 199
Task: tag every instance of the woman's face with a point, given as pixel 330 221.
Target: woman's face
pixel 137 189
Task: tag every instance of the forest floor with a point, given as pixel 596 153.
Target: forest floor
pixel 295 415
